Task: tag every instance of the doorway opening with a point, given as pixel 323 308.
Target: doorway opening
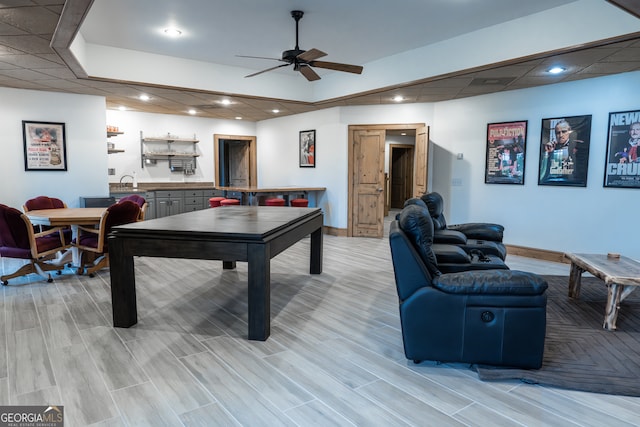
pixel 235 161
pixel 369 190
pixel 400 181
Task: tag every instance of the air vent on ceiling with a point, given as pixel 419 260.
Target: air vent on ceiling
pixel 207 107
pixel 485 81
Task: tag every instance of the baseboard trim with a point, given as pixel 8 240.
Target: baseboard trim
pixel 333 231
pixel 541 254
pixel 534 253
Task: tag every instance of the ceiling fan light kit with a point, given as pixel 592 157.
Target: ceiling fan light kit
pixel 304 60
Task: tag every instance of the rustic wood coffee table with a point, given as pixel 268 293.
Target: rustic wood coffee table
pixel 621 275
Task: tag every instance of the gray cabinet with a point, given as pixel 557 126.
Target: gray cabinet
pixel 168 202
pixel 193 200
pixel 161 203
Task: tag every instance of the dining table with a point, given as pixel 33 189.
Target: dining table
pixel 72 217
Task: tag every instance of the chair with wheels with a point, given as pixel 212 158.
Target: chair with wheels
pixel 138 200
pixel 93 243
pixel 19 240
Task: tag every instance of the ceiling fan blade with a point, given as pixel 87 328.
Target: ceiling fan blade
pixel 355 69
pixel 308 72
pixel 258 57
pixel 268 69
pixel 311 54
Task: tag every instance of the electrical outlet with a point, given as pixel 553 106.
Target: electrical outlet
pixel 111 171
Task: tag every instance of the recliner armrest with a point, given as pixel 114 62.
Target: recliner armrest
pixel 491 282
pixel 451 237
pixel 480 230
pixel 446 254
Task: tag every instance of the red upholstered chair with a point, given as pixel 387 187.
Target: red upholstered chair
pixel 214 202
pixel 92 242
pixel 45 202
pixel 229 202
pixel 274 201
pixel 19 240
pixel 138 200
pixel 299 203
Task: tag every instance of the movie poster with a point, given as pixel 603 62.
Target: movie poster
pixel 564 151
pixel 622 168
pixel 505 153
pixel 44 146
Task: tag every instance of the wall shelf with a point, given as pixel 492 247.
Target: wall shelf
pixel 179 160
pixel 111 148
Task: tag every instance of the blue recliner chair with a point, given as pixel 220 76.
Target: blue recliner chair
pixel 489 317
pixel 482 236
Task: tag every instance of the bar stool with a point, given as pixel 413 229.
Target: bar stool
pixel 229 202
pixel 214 202
pixel 300 203
pixel 274 201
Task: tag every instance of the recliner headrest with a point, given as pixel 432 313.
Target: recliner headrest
pixel 434 203
pixel 414 201
pixel 416 223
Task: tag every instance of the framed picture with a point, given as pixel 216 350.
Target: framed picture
pixel 45 147
pixel 506 143
pixel 308 149
pixel 564 151
pixel 622 164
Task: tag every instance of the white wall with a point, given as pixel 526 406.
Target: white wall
pixel 132 123
pixel 569 219
pixel 576 219
pixel 278 150
pixel 84 120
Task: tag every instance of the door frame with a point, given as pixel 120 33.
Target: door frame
pixel 351 160
pixel 253 159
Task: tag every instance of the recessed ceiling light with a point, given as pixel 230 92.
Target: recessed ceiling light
pixel 275 111
pixel 144 97
pixel 225 102
pixel 172 32
pixel 403 133
pixel 398 98
pixel 192 111
pixel 556 70
pixel 122 108
pixel 238 118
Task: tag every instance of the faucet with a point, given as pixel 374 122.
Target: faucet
pixel 123 177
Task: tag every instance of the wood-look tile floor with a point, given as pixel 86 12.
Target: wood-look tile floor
pixel 334 357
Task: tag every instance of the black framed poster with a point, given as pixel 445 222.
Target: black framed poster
pixel 505 158
pixel 622 167
pixel 45 148
pixel 564 151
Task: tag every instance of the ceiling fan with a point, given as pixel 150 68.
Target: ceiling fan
pixel 303 60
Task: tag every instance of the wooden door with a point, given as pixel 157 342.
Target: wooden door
pixel 221 159
pixel 401 160
pixel 421 161
pixel 238 164
pixel 368 183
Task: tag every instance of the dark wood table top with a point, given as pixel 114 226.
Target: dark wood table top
pixel 239 222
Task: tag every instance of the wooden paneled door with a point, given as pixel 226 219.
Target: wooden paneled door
pixel 235 156
pixel 368 183
pixel 401 162
pixel 366 157
pixel 239 164
pixel 421 161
